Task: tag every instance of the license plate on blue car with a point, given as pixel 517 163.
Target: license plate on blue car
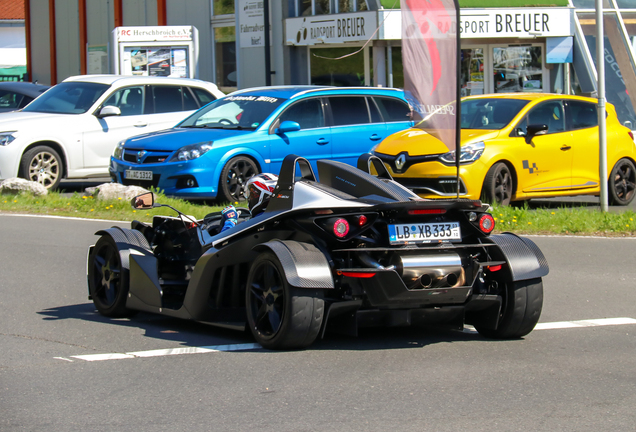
pixel 137 175
pixel 424 232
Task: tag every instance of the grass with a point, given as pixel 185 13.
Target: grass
pixel 521 220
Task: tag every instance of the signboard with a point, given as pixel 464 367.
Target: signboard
pixel 559 50
pixel 251 25
pixel 156 61
pixel 153 34
pixel 517 23
pixel 336 28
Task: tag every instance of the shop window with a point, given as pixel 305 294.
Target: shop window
pixel 329 68
pixel 304 7
pixel 620 76
pixel 472 71
pixel 222 7
pixel 349 110
pixel 626 4
pixel 629 18
pixel 308 114
pixel 517 69
pixel 225 58
pixel 591 4
pixel 352 5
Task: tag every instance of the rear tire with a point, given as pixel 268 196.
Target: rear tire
pixel 498 185
pixel 42 164
pixel 520 310
pixel 234 177
pixel 622 182
pixel 108 280
pixel 280 316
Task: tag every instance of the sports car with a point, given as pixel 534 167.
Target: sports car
pixel 354 249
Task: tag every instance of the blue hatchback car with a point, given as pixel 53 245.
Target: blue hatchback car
pixel 213 153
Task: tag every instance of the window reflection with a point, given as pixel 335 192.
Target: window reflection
pixel 517 69
pixel 620 78
pixel 225 58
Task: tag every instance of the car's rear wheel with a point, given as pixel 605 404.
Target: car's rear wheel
pixel 280 316
pixel 520 310
pixel 622 182
pixel 108 280
pixel 498 186
pixel 42 164
pixel 234 177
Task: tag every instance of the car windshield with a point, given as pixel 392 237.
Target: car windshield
pixel 234 112
pixel 493 113
pixel 68 98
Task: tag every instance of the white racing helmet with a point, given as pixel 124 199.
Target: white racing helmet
pixel 259 190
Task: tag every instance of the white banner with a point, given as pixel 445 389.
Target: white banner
pixel 251 23
pixel 519 22
pixel 153 33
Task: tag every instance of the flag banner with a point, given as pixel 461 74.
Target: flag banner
pixel 429 56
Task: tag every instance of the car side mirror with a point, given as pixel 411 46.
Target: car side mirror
pixel 287 126
pixel 143 201
pixel 108 111
pixel 535 129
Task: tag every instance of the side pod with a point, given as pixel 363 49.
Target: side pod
pixel 305 266
pixel 525 259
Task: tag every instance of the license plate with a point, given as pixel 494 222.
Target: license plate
pixel 138 175
pixel 424 233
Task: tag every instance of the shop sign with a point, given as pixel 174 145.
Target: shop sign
pixel 335 28
pixel 251 23
pixel 152 34
pixel 517 23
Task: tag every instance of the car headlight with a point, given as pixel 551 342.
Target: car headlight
pixel 191 151
pixel 469 154
pixel 7 138
pixel 119 150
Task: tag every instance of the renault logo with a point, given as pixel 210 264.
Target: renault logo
pixel 140 155
pixel 400 161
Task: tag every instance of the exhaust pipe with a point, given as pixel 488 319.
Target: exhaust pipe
pixel 429 271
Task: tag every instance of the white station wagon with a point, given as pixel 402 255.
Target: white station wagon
pixel 71 130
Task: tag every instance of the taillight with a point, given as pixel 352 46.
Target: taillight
pixel 486 223
pixel 341 228
pixel 362 220
pixel 631 135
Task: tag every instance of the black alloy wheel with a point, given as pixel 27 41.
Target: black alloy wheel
pixel 498 187
pixel 108 280
pixel 234 178
pixel 622 183
pixel 280 316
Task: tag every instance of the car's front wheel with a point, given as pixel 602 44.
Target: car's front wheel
pixel 279 315
pixel 520 310
pixel 108 280
pixel 234 177
pixel 622 183
pixel 498 185
pixel 42 164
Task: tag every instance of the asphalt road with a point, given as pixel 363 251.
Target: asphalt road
pixel 556 379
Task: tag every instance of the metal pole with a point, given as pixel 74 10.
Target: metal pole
pixel 602 136
pixel 268 72
pixel 458 96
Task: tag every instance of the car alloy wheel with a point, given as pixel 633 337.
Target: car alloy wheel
pixel 234 178
pixel 42 164
pixel 622 182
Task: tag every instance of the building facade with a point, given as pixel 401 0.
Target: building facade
pixel 520 45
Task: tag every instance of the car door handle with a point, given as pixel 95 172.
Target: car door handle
pixel 140 124
pixel 566 147
pixel 375 137
pixel 322 141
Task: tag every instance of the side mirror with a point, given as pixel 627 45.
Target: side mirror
pixel 108 111
pixel 143 201
pixel 287 126
pixel 535 129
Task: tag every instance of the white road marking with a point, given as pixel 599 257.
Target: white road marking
pixel 169 351
pixel 253 346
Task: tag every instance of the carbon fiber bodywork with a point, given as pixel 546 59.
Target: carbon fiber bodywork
pixel 331 240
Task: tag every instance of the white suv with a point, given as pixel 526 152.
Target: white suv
pixel 71 130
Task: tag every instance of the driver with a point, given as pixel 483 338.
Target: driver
pixel 259 190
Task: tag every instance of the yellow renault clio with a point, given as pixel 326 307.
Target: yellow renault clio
pixel 515 147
